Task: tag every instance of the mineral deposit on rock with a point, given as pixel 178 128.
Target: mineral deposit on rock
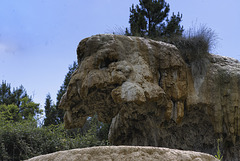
pixel 153 97
pixel 125 153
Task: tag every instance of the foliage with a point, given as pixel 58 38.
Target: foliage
pixel 54 115
pixel 10 112
pixel 23 140
pixel 203 34
pixel 28 108
pixel 50 112
pixel 13 138
pixel 173 27
pixel 16 105
pixel 100 129
pixel 219 155
pixel 195 43
pixel 150 18
pixel 63 89
pixel 94 132
pixel 11 97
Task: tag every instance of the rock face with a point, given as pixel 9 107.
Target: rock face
pixel 152 97
pixel 121 153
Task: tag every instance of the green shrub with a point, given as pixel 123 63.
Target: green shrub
pixel 16 140
pixel 23 140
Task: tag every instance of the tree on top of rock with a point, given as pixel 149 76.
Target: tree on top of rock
pixel 150 18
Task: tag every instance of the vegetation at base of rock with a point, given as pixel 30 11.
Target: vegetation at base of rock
pixel 21 136
pixel 54 115
pixel 23 140
pixel 219 155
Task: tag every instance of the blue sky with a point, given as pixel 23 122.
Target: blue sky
pixel 38 38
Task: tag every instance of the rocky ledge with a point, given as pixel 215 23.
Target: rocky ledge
pixel 120 153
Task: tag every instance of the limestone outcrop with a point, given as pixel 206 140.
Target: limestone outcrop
pixel 128 153
pixel 153 97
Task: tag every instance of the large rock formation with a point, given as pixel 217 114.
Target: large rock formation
pixel 125 153
pixel 151 96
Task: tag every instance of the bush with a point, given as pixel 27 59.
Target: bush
pixel 195 43
pixel 23 140
pixel 17 140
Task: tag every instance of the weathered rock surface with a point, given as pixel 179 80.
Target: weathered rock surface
pixel 125 153
pixel 152 97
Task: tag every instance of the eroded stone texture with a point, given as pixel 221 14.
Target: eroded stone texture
pixel 151 96
pixel 121 153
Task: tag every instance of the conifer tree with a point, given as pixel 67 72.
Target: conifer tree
pixel 150 18
pixel 50 112
pixel 173 26
pixel 63 89
pixel 5 93
pixel 54 115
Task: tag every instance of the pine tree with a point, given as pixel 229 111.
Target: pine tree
pixel 63 89
pixel 54 115
pixel 5 93
pixel 137 22
pixel 50 112
pixel 18 94
pixel 173 26
pixel 150 18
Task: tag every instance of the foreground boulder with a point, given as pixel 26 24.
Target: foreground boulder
pixel 120 153
pixel 153 97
